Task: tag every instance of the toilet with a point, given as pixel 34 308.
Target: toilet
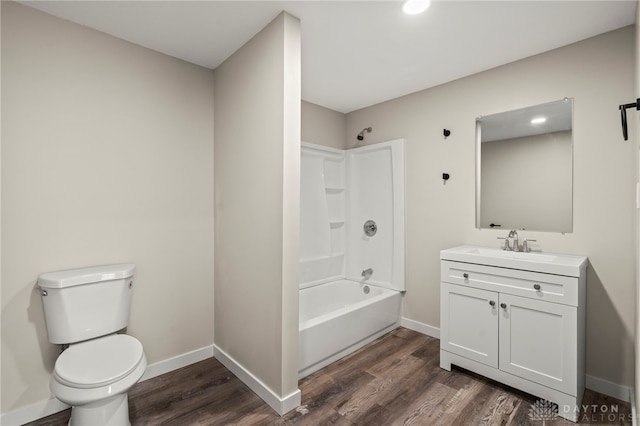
pixel 84 309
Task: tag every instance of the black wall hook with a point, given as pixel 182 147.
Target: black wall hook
pixel 446 133
pixel 623 116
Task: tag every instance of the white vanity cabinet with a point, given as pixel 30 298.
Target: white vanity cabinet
pixel 523 328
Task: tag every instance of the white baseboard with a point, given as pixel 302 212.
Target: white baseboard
pixel 606 387
pixel 179 361
pixel 51 406
pixel 429 330
pixel 279 405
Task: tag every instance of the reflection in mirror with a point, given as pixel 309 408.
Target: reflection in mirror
pixel 524 176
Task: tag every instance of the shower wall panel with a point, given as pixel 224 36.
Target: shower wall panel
pixel 376 193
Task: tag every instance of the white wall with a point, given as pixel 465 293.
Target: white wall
pixel 107 156
pixel 257 205
pixel 599 74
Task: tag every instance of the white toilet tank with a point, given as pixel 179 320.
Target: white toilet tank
pixel 81 304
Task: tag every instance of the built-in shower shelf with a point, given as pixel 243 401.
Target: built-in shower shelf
pixel 333 190
pixel 323 233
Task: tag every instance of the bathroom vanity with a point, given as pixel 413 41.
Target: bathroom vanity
pixel 517 318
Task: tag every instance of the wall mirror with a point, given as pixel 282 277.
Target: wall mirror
pixel 524 169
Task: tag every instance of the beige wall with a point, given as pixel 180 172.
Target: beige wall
pixel 323 126
pixel 257 205
pixel 107 156
pixel 599 74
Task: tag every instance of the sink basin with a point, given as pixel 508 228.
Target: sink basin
pixel 533 257
pixel 550 263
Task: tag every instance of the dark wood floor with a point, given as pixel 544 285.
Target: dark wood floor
pixel 395 380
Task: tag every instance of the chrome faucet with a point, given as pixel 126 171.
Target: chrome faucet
pixel 511 242
pixel 513 234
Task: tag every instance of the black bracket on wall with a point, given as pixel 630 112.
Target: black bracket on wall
pixel 623 116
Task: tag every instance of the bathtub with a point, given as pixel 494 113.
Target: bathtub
pixel 338 317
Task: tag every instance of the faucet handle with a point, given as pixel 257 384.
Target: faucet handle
pixel 525 245
pixel 507 246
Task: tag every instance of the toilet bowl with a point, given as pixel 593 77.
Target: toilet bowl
pixel 84 308
pixel 95 376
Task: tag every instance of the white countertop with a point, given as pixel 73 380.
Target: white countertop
pixel 549 263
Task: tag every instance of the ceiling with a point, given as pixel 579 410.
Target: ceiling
pixel 357 53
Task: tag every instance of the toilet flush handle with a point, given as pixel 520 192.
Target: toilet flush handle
pixel 43 292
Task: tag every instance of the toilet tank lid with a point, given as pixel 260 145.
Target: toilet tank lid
pixel 72 277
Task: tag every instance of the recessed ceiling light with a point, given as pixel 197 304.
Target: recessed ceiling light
pixel 413 7
pixel 538 120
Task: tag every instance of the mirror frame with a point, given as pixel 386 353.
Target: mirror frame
pixel 478 201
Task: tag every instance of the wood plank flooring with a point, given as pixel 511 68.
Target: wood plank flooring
pixel 395 380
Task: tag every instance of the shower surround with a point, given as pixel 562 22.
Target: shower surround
pixel 351 249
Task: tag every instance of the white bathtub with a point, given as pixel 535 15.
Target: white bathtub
pixel 338 317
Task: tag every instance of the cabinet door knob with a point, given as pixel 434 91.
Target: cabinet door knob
pixel 536 286
pixel 465 275
pixel 503 306
pixel 492 302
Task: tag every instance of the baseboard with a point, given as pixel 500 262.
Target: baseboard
pixel 279 405
pixel 182 360
pixel 429 330
pixel 51 406
pixel 606 387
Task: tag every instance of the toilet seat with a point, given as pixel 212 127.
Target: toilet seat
pixel 99 362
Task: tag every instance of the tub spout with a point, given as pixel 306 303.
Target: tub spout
pixel 367 273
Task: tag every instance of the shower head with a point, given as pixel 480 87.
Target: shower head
pixel 361 134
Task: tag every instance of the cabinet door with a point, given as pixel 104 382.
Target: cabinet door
pixel 538 341
pixel 469 323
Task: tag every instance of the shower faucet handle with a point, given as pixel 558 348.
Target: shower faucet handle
pixel 367 273
pixel 370 228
